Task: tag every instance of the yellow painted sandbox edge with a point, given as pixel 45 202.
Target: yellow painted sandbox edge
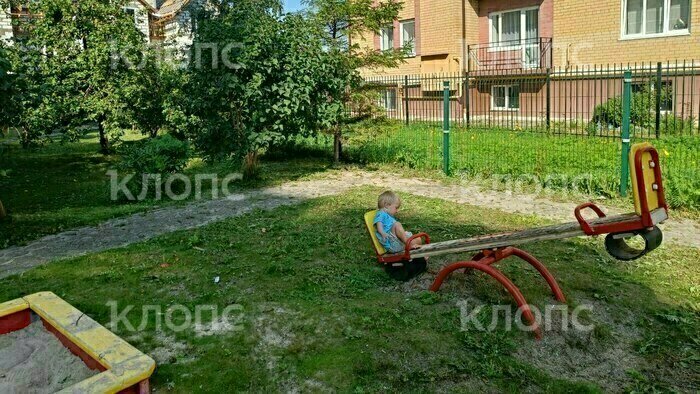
pixel 126 365
pixel 13 306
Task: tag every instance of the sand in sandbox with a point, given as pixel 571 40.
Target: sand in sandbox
pixel 32 360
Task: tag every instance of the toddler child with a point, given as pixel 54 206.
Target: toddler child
pixel 390 232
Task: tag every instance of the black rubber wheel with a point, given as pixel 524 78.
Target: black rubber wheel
pixel 408 269
pixel 619 249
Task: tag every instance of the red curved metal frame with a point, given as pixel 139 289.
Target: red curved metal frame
pixel 424 236
pixel 500 277
pixel 484 260
pixel 551 281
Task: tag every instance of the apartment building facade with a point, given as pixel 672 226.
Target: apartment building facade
pixel 491 41
pixel 511 34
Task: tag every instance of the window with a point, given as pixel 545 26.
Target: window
pixel 387 99
pixel 131 12
pixel 666 102
pixel 514 27
pixel 505 97
pixel 654 18
pixel 386 38
pixel 408 35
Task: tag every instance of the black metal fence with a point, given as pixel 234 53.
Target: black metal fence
pixel 579 100
pixel 558 125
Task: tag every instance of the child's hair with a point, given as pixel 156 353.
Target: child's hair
pixel 387 198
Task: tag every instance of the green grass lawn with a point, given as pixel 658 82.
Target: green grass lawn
pixel 554 161
pixel 318 314
pixel 62 186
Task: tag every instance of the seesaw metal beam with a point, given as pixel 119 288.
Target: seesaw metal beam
pixel 617 224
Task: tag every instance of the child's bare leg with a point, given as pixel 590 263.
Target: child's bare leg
pixel 400 233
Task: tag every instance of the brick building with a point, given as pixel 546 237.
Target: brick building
pixel 497 42
pixel 562 33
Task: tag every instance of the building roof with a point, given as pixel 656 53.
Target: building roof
pixel 146 5
pixel 170 7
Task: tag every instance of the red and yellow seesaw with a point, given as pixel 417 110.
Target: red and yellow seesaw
pixel 650 210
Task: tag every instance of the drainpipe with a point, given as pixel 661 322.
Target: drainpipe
pixel 465 61
pixel 464 36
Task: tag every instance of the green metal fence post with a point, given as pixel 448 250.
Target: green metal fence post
pixel 446 128
pixel 626 109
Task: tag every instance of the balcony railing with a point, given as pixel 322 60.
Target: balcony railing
pixel 525 54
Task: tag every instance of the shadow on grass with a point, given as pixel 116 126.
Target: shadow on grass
pixel 318 310
pixel 57 187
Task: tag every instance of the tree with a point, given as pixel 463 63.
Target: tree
pixel 342 22
pixel 72 70
pixel 8 109
pixel 148 93
pixel 8 88
pixel 252 81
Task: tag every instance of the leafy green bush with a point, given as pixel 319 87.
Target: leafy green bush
pixel 643 107
pixel 161 155
pixel 609 113
pixel 675 125
pixel 642 110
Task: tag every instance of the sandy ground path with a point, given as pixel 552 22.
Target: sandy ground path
pixel 143 226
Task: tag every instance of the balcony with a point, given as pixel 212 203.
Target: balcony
pixel 527 55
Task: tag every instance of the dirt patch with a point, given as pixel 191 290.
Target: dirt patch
pixel 33 359
pixel 595 345
pixel 602 353
pixel 275 327
pixel 231 319
pixel 170 351
pixel 216 327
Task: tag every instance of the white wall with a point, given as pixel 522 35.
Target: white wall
pixel 5 25
pixel 141 19
pixel 178 33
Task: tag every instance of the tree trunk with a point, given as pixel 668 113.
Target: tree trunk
pixel 250 166
pixel 24 138
pixel 337 145
pixel 104 140
pixel 3 213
